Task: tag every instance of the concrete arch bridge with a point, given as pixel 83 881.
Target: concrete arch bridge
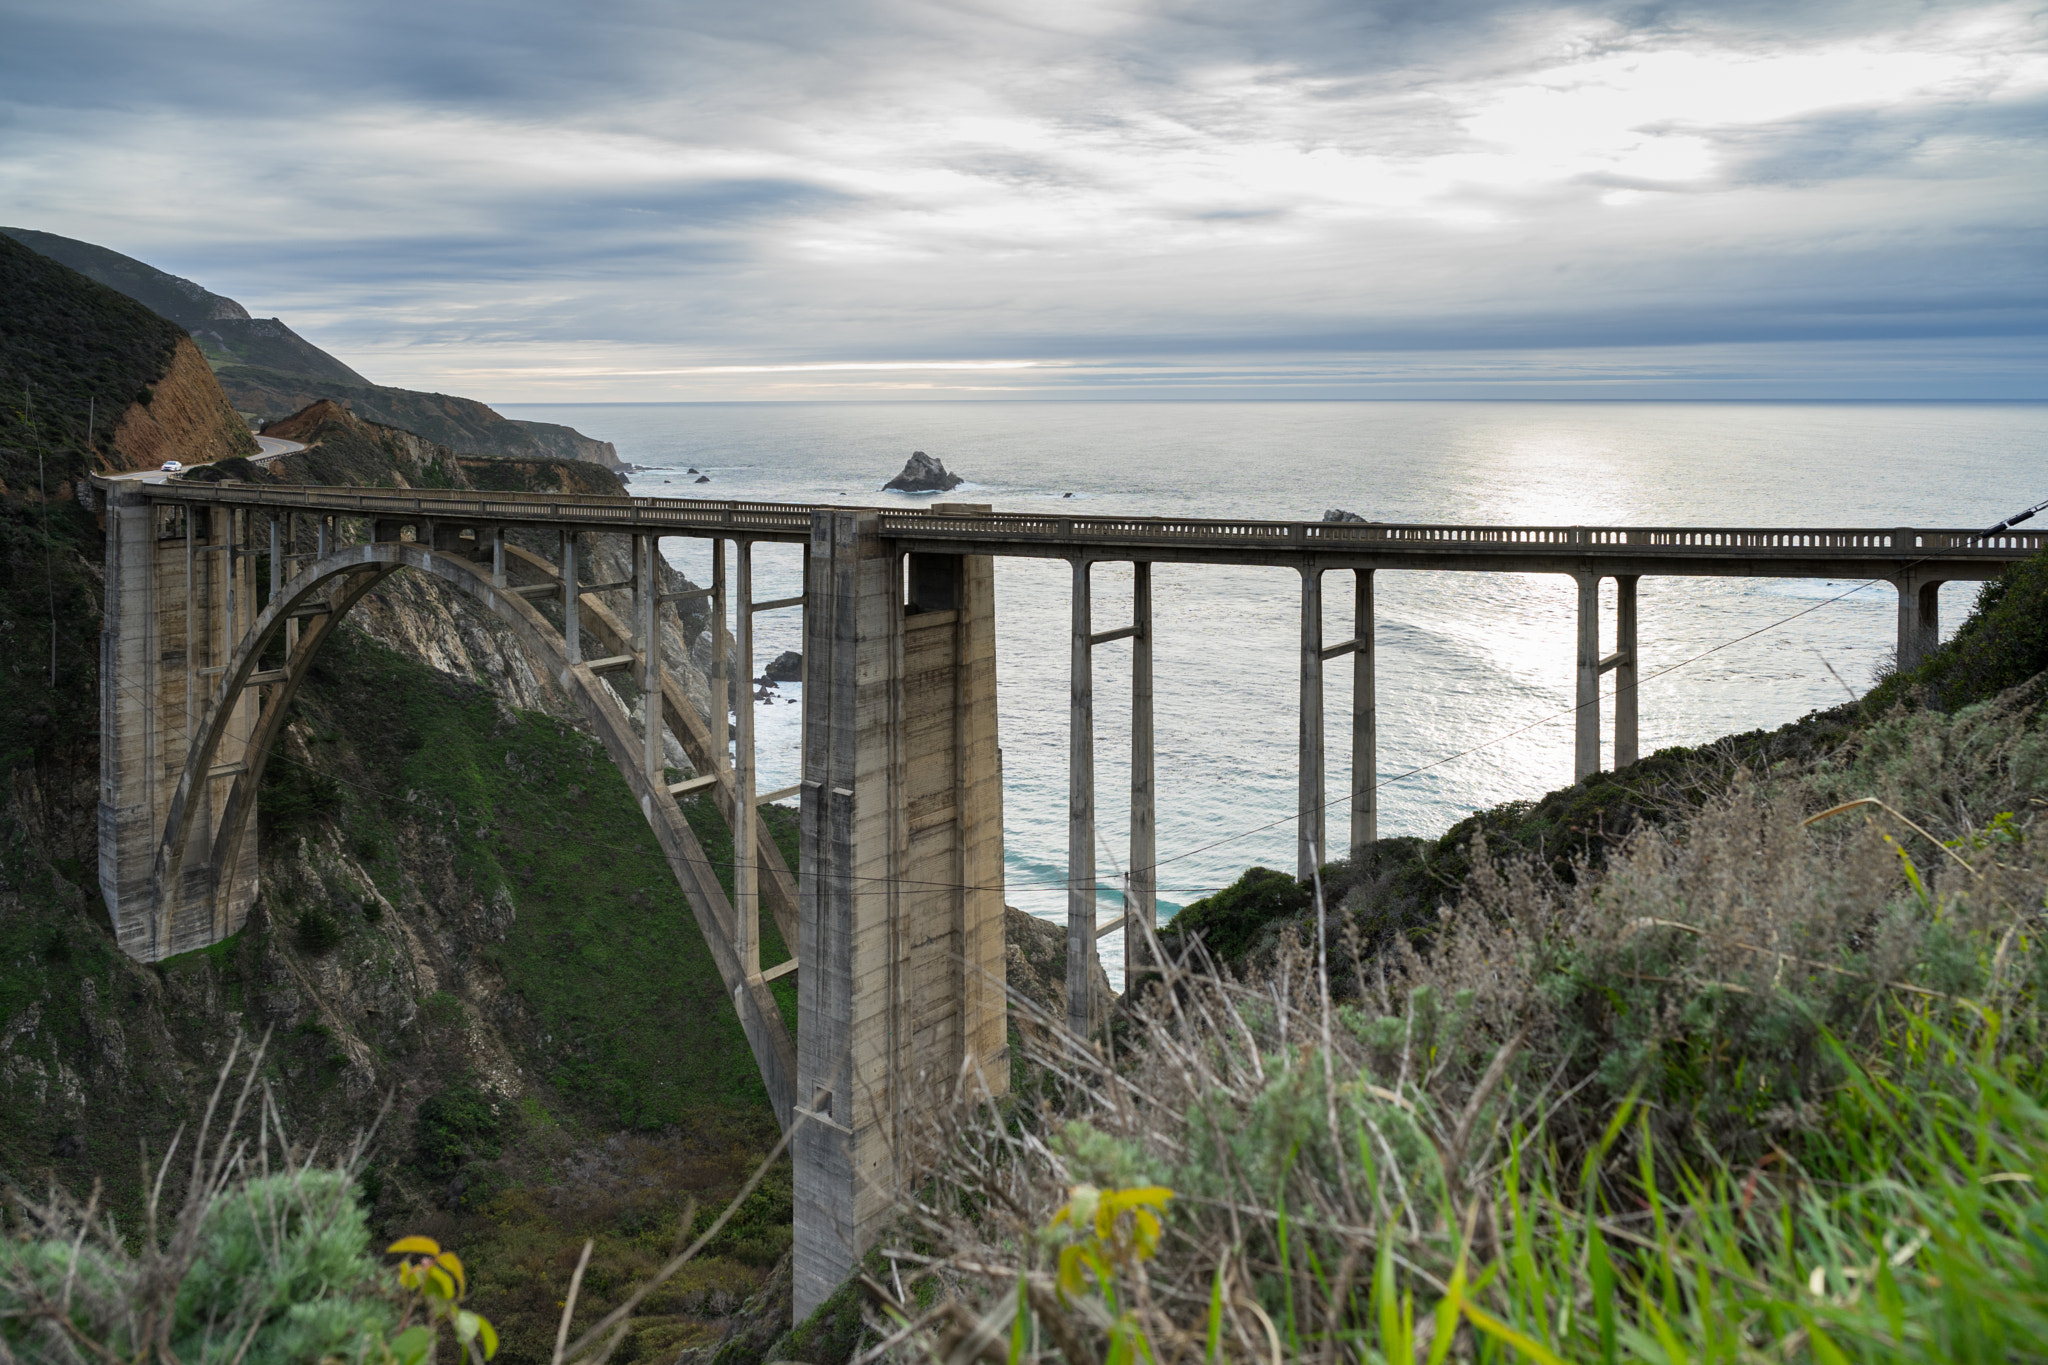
pixel 896 910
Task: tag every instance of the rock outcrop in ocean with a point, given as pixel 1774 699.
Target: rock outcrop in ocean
pixel 1339 514
pixel 923 473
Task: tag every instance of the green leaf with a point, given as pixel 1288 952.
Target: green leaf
pixel 412 1345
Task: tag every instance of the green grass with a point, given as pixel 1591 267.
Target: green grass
pixel 629 1013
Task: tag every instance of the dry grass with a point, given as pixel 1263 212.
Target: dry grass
pixel 1679 1107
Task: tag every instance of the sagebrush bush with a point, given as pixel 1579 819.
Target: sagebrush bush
pixel 265 1261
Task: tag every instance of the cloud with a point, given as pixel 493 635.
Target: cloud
pixel 737 186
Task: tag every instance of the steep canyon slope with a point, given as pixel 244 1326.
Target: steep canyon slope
pixel 463 914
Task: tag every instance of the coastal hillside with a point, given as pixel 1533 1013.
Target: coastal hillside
pixel 90 380
pixel 459 423
pixel 267 370
pixel 222 328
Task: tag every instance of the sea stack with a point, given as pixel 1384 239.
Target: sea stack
pixel 923 473
pixel 1339 514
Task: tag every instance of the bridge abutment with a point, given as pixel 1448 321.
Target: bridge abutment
pixel 179 589
pixel 901 992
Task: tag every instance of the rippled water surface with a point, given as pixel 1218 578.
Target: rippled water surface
pixel 1464 659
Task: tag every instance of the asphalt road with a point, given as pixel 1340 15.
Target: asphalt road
pixel 272 448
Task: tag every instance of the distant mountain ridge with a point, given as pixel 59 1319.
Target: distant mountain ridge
pixel 269 370
pixel 224 330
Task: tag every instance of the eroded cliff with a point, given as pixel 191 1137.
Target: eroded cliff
pixel 182 416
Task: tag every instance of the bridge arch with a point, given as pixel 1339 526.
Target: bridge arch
pixel 182 884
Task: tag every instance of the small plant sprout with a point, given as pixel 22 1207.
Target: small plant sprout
pixel 439 1284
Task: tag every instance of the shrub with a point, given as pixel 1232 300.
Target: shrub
pixel 265 1262
pixel 316 932
pixel 1230 920
pixel 455 1127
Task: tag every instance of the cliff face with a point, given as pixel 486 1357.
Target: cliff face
pixel 567 443
pixel 182 416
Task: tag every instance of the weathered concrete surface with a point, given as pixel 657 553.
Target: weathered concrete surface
pixel 901 917
pixel 171 605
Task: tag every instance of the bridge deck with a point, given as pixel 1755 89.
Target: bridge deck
pixel 1686 550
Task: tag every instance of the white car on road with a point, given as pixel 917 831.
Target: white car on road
pixel 170 466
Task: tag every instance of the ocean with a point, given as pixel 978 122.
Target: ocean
pixel 1467 662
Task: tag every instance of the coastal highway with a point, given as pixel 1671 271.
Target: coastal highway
pixel 272 448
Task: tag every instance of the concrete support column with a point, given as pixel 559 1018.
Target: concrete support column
pixel 497 556
pixel 572 607
pixel 1141 899
pixel 1080 813
pixel 1919 617
pixel 721 702
pixel 276 560
pixel 1365 763
pixel 649 604
pixel 746 900
pixel 1625 671
pixel 1586 719
pixel 900 927
pixel 1310 848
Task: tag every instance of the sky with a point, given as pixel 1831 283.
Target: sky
pixel 624 200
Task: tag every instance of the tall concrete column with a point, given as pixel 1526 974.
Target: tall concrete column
pixel 721 688
pixel 1080 812
pixel 1365 762
pixel 746 901
pixel 900 1001
pixel 1310 848
pixel 1141 901
pixel 497 556
pixel 1625 671
pixel 572 601
pixel 1586 719
pixel 1919 617
pixel 649 604
pixel 165 634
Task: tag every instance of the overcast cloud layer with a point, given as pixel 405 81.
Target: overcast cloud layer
pixel 867 198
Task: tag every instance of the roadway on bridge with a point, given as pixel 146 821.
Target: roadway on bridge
pixel 272 447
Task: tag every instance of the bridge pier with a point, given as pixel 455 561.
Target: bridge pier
pixel 1621 663
pixel 1081 908
pixel 1919 616
pixel 900 925
pixel 1365 762
pixel 1141 897
pixel 177 587
pixel 1310 847
pixel 1311 838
